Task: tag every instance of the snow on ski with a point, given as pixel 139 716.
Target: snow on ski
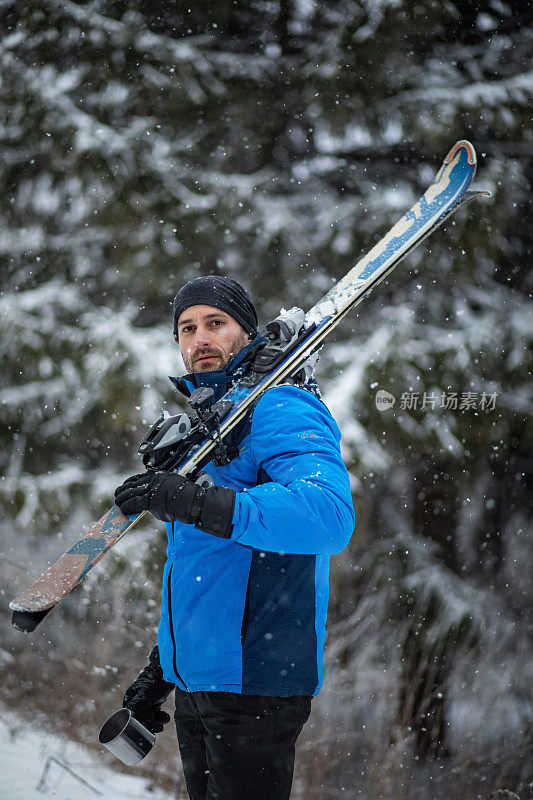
pixel 444 197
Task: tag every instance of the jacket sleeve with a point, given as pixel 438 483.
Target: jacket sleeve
pixel 307 507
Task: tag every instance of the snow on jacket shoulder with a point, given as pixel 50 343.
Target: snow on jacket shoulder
pixel 248 614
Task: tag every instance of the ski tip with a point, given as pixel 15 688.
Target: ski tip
pixel 470 152
pixel 27 621
pixel 475 194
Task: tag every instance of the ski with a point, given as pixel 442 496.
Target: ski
pixel 186 443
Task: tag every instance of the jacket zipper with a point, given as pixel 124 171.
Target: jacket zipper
pixel 171 623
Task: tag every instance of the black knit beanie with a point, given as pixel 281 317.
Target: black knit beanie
pixel 220 292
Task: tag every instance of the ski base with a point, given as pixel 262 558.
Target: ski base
pixel 30 607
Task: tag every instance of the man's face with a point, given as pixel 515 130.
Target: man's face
pixel 208 338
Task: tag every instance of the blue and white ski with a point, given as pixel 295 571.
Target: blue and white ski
pixel 273 366
pixel 443 198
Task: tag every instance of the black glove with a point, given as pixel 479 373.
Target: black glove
pixel 169 497
pixel 146 695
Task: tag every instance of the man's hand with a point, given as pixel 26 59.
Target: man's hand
pixel 164 494
pixel 147 693
pixel 170 497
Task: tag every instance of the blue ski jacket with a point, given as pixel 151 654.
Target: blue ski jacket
pixel 248 614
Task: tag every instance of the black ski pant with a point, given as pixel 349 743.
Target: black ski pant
pixel 238 747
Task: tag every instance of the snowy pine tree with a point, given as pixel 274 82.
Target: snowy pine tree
pixel 145 144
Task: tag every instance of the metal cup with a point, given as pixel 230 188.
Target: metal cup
pixel 125 737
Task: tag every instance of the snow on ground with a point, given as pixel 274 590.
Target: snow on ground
pixel 36 765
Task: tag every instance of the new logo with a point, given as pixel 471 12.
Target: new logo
pixel 384 400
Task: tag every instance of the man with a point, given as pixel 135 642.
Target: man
pixel 245 585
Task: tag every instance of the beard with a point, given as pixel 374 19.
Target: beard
pixel 198 361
